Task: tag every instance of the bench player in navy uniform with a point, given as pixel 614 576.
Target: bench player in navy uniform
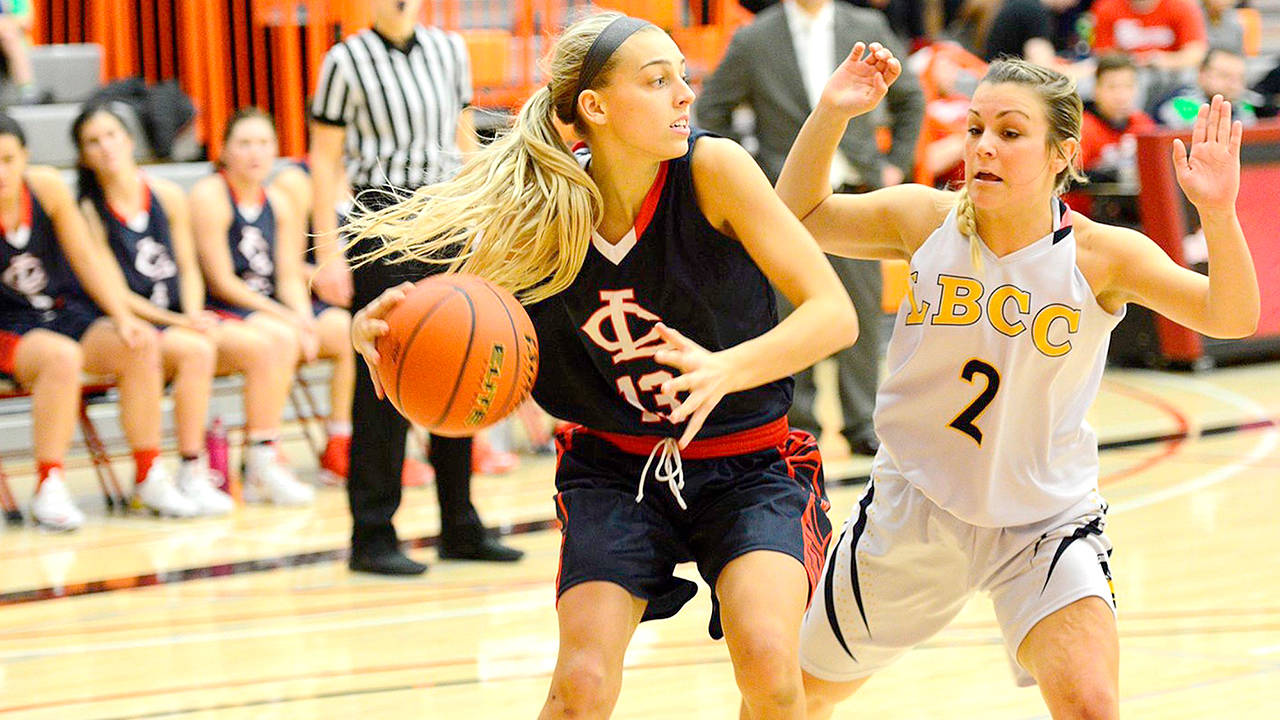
pixel 251 244
pixel 146 224
pixel 51 330
pixel 681 449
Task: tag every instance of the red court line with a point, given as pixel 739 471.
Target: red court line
pixel 1171 446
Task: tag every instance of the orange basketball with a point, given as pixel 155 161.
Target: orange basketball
pixel 460 354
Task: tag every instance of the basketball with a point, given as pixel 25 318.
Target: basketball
pixel 460 354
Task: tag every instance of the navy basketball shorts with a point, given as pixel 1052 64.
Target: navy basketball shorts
pixel 72 320
pixel 768 498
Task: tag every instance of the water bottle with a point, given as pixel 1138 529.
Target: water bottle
pixel 215 442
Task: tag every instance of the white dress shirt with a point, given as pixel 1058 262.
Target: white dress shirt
pixel 814 39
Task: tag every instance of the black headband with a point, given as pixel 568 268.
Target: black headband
pixel 603 48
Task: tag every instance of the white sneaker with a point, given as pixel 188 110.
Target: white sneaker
pixel 52 506
pixel 197 482
pixel 159 494
pixel 268 479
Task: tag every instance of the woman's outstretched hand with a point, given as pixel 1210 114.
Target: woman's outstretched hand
pixel 1210 177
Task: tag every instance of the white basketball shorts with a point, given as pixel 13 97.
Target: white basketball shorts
pixel 903 568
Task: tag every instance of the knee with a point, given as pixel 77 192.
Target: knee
pixel 336 327
pixel 583 688
pixel 62 362
pixel 767 668
pixel 197 355
pixel 146 349
pixel 278 343
pixel 1085 702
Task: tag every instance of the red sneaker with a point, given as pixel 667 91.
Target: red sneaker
pixel 487 461
pixel 417 473
pixel 336 460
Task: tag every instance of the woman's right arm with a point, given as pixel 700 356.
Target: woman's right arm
pixel 210 222
pixel 140 306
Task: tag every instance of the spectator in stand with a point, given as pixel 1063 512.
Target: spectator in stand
pixel 816 36
pixel 1221 73
pixel 1160 34
pixel 1222 25
pixel 15 59
pixel 948 73
pixel 1268 92
pixel 1111 120
pixel 1026 29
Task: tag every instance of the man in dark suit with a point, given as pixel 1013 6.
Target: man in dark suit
pixel 777 66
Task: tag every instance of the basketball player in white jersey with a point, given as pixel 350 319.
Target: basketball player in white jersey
pixel 987 475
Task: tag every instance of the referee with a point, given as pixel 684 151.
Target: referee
pixel 391 105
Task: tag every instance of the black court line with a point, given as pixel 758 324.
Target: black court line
pixel 93 587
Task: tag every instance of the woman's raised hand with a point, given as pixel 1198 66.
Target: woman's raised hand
pixel 862 80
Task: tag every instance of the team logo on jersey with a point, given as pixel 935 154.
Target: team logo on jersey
pixel 153 260
pixel 160 295
pixel 609 328
pixel 963 301
pixel 19 238
pixel 617 339
pixel 254 247
pixel 26 275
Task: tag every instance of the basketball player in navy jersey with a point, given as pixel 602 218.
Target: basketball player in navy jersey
pixel 680 449
pixel 145 223
pixel 987 474
pixel 251 243
pixel 56 288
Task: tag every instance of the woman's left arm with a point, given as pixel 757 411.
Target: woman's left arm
pixel 291 284
pixel 738 200
pixel 1225 304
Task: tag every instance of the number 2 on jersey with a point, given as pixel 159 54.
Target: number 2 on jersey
pixel 964 421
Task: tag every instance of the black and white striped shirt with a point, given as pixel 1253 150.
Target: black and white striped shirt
pixel 399 106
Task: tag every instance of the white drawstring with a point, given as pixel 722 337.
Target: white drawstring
pixel 669 470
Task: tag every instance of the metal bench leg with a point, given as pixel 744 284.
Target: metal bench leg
pixel 305 410
pixel 12 514
pixel 111 493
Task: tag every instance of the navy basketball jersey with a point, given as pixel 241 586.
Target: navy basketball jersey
pixel 36 275
pixel 252 240
pixel 598 336
pixel 143 246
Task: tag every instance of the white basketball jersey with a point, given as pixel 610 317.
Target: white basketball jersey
pixel 991 373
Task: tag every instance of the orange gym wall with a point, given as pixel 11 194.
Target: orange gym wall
pixel 231 53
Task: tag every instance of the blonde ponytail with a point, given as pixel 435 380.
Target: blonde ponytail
pixel 967 224
pixel 524 195
pixel 522 210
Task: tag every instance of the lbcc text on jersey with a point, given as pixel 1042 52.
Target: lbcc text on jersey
pixel 671 267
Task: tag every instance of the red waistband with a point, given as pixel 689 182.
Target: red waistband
pixel 769 435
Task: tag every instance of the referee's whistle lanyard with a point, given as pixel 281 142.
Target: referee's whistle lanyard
pixel 669 469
